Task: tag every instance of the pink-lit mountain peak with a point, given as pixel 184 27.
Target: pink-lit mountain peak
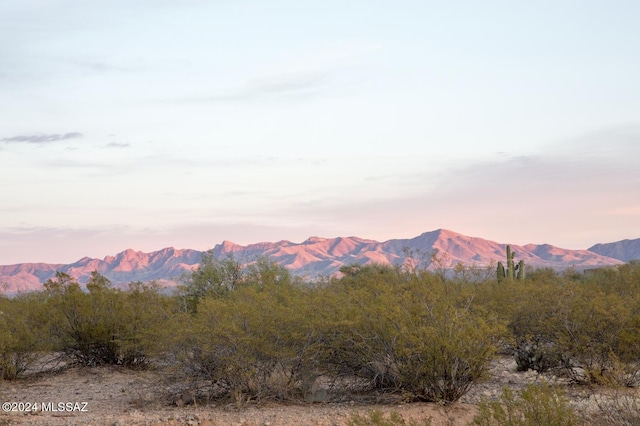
pixel 316 256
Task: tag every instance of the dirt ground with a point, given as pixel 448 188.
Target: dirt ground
pixel 117 397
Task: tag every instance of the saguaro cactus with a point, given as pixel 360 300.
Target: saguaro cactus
pixel 521 270
pixel 513 271
pixel 510 268
pixel 500 271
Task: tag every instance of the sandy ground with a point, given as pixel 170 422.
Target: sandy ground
pixel 116 397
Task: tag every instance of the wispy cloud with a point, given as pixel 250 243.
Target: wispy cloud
pixel 68 244
pixel 96 65
pixel 291 84
pixel 99 167
pixel 288 85
pixel 305 75
pixel 575 195
pixel 20 244
pixel 117 145
pixel 41 138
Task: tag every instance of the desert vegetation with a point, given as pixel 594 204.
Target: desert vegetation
pixel 254 333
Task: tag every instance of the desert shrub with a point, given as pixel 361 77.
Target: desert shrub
pixel 590 336
pixel 103 325
pixel 586 324
pixel 533 322
pixel 270 337
pixel 377 418
pixel 212 278
pixel 255 343
pixel 360 326
pixel 603 328
pixel 22 333
pixel 393 329
pixel 622 408
pixel 597 326
pixel 535 405
pixel 145 314
pixel 85 324
pixel 415 333
pixel 537 353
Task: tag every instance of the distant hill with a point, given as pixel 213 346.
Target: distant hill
pixel 324 256
pixel 125 267
pixel 311 258
pixel 624 250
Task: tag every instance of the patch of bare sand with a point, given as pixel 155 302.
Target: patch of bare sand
pixel 118 396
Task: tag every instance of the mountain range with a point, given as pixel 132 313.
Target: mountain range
pixel 318 256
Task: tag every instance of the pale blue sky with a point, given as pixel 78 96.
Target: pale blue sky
pixel 154 123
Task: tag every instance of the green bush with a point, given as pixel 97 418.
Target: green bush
pixel 536 307
pixel 415 333
pixel 584 324
pixel 600 327
pixel 255 343
pixel 23 336
pixel 377 418
pixel 104 325
pixel 536 405
pixel 271 337
pixel 213 278
pixel 144 316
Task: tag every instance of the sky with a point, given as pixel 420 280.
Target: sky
pixel 153 123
